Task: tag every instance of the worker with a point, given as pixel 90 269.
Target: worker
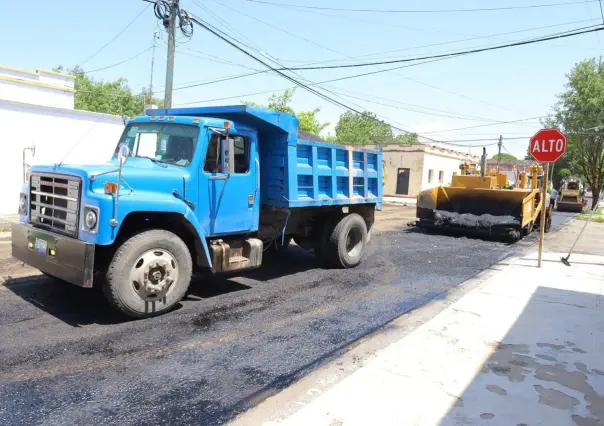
pixel 552 198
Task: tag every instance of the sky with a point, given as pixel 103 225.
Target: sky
pixel 475 92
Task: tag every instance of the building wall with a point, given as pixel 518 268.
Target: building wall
pixel 438 164
pixel 394 160
pixel 41 87
pixel 78 136
pixel 420 160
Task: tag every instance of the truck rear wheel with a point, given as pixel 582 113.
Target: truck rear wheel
pixel 149 274
pixel 347 243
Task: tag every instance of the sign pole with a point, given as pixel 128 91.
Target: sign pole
pixel 543 216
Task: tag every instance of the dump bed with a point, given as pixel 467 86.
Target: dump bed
pixel 296 169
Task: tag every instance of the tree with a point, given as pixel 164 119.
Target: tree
pixel 504 157
pixel 108 97
pixel 579 113
pixel 366 129
pixel 308 119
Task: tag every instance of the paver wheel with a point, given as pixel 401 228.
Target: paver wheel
pixel 548 224
pixel 347 243
pixel 149 274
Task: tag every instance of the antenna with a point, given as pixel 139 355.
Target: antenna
pixel 76 144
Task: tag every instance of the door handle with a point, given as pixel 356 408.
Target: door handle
pixel 219 177
pixel 258 176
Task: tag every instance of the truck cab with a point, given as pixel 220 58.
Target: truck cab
pixel 198 188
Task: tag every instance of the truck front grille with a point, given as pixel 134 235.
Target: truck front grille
pixel 54 202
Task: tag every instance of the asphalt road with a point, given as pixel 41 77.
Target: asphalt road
pixel 67 359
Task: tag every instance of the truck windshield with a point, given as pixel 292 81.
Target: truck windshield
pixel 163 142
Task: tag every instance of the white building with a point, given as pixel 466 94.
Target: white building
pixel 410 169
pixel 37 108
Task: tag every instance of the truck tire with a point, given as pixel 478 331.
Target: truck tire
pixel 149 274
pixel 321 237
pixel 347 242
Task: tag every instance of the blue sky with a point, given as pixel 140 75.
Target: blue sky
pixel 502 85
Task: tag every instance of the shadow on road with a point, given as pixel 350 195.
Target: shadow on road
pixel 71 304
pixel 79 307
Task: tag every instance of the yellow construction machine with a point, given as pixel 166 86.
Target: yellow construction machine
pixel 571 199
pixel 478 204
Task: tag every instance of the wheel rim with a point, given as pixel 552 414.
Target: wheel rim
pixel 153 274
pixel 354 242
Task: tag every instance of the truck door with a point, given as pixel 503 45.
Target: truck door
pixel 233 199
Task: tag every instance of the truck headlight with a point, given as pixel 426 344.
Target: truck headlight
pixel 91 219
pixel 23 204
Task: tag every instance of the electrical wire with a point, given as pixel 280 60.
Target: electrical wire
pixel 488 36
pixel 393 69
pixel 566 34
pixel 484 9
pixel 484 125
pixel 122 62
pixel 217 33
pixel 117 35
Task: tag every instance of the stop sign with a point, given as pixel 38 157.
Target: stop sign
pixel 548 145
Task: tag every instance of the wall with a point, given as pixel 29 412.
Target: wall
pixel 394 160
pixel 437 163
pixel 41 87
pixel 420 159
pixel 54 131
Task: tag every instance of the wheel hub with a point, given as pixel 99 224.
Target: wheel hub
pixel 153 274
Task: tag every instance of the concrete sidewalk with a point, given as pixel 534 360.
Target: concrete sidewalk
pixel 524 347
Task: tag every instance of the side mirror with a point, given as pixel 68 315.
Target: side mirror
pixel 122 154
pixel 228 155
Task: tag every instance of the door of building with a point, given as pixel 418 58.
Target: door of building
pixel 402 181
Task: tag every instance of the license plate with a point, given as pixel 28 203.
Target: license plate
pixel 41 245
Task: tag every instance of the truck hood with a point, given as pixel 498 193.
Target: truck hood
pixel 140 174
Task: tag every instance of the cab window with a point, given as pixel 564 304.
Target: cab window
pixel 214 155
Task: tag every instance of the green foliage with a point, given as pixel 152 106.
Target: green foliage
pixel 595 216
pixel 366 129
pixel 504 157
pixel 562 173
pixel 308 119
pixel 108 97
pixel 580 113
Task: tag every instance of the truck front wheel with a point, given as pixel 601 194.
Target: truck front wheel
pixel 347 243
pixel 149 274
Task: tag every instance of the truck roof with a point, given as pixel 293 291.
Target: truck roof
pixel 258 117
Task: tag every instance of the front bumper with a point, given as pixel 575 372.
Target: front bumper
pixel 62 257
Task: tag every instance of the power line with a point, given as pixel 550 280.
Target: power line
pixel 122 62
pixel 488 36
pixel 215 32
pixel 117 35
pixel 484 9
pixel 348 56
pixel 311 84
pixel 485 125
pixel 566 34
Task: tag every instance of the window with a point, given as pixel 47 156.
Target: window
pixel 214 156
pixel 163 142
pixel 430 175
pixel 441 176
pixel 242 155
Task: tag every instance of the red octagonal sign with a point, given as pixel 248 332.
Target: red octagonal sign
pixel 548 145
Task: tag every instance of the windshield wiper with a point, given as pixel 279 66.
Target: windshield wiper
pixel 155 160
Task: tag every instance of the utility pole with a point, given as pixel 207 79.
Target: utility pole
pixel 499 145
pixel 155 37
pixel 171 27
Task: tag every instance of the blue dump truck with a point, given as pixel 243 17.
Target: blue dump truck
pixel 192 189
